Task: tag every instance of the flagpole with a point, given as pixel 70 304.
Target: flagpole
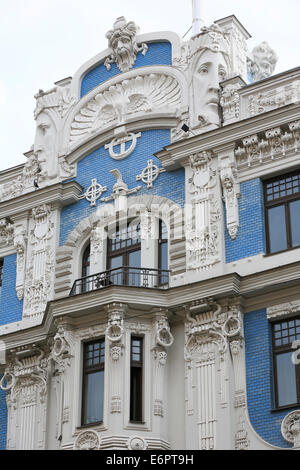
pixel 198 16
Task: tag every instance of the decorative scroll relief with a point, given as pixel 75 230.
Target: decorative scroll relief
pixel 276 145
pixel 38 279
pixel 230 102
pixel 20 244
pixel 207 333
pixel 25 383
pixel 203 343
pixel 61 356
pixel 242 441
pixel 276 98
pixel 23 183
pixel 123 43
pixel 162 341
pixel 290 428
pixel 283 310
pixel 147 93
pixel 87 440
pixel 115 333
pixel 202 221
pixel 231 193
pixel 150 174
pixel 6 232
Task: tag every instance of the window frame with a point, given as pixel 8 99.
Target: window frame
pixel 140 366
pixel 277 350
pixel 280 201
pixel 92 370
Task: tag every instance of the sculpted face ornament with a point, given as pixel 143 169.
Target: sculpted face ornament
pixel 264 61
pixel 44 145
pixel 210 65
pixel 122 41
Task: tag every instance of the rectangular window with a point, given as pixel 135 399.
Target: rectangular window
pixel 136 380
pixel 286 369
pixel 282 211
pixel 93 382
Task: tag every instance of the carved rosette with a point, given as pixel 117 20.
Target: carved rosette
pixel 231 193
pixel 137 443
pixel 87 440
pixel 290 428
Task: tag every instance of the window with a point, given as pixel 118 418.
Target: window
pixel 136 380
pixel 163 253
pixel 286 373
pixel 124 252
pixel 86 268
pixel 282 210
pixel 93 382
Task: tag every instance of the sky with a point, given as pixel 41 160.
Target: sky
pixel 43 41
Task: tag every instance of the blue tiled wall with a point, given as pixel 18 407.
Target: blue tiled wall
pixel 10 307
pixel 260 379
pixel 98 165
pixel 3 419
pixel 158 54
pixel 250 240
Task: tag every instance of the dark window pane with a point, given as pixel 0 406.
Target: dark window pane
pixel 286 379
pixel 94 395
pixel 277 229
pixel 295 222
pixel 164 262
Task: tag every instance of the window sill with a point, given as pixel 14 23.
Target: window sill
pixel 267 255
pixel 287 407
pixel 88 426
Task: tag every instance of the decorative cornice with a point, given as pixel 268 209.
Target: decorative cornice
pixel 62 194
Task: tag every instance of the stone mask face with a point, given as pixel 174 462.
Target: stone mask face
pixel 45 145
pixel 210 70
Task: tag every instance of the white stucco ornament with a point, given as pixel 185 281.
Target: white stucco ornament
pixel 150 174
pixel 122 41
pixel 124 150
pixel 264 61
pixel 87 440
pixel 290 428
pixel 137 443
pixel 94 192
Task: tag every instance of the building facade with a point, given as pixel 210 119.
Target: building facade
pixel 150 252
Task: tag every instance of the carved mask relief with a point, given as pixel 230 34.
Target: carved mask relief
pixel 45 145
pixel 210 70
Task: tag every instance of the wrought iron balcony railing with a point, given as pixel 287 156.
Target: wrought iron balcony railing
pixel 125 276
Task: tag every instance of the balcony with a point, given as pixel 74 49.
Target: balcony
pixel 125 276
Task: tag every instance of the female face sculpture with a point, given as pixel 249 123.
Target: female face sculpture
pixel 210 69
pixel 45 145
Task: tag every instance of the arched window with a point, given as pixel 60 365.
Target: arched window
pixel 124 255
pixel 163 253
pixel 86 268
